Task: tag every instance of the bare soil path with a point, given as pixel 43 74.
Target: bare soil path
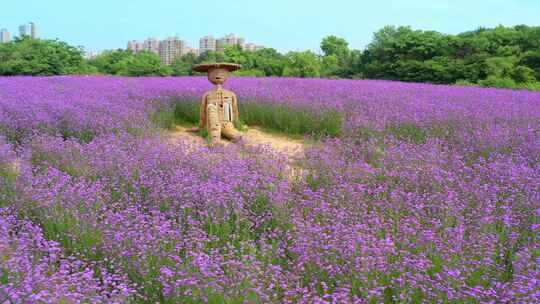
pixel 254 136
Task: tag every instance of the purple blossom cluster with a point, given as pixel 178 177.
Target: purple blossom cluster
pixel 475 119
pixel 34 270
pixel 432 195
pixel 428 222
pixel 151 210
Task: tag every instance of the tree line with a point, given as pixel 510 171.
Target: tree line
pixel 497 57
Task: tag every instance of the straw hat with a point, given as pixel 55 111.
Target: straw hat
pixel 220 65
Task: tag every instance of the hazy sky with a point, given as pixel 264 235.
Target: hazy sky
pixel 282 24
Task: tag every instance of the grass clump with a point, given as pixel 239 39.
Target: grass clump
pixel 292 121
pixel 408 132
pixel 273 117
pixel 8 177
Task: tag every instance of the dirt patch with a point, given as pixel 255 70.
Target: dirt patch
pixel 15 166
pixel 254 136
pixel 182 134
pixel 278 142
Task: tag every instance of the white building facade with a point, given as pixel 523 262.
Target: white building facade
pixel 29 30
pixel 170 49
pixel 252 47
pixel 229 40
pixel 135 46
pixel 5 36
pixel 152 45
pixel 206 44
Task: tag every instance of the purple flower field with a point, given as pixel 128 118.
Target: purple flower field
pixel 431 195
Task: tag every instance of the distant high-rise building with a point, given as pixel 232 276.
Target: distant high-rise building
pixel 34 31
pixel 170 49
pixel 135 46
pixel 229 40
pixel 29 30
pixel 25 30
pixel 152 45
pixel 131 45
pixel 207 43
pixel 5 36
pixel 252 47
pixel 173 47
pixel 241 42
pixel 193 51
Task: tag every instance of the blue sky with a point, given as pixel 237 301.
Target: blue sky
pixel 282 24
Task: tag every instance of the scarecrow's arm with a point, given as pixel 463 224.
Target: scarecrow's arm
pixel 235 107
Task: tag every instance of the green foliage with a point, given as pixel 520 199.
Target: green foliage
pixel 501 57
pixel 108 61
pixel 292 121
pixel 498 82
pixel 268 60
pixel 73 236
pixel 338 60
pixel 142 64
pixel 531 60
pixel 210 56
pixel 187 111
pixel 237 55
pixel 336 46
pixel 408 132
pixel 163 118
pixel 183 66
pixel 249 73
pixel 41 58
pixel 523 74
pixel 330 65
pixel 8 176
pixel 126 63
pixel 302 64
pixel 533 86
pixel 500 66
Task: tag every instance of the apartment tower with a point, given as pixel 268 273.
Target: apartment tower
pixel 252 47
pixel 5 36
pixel 135 46
pixel 29 30
pixel 170 49
pixel 207 43
pixel 229 40
pixel 152 45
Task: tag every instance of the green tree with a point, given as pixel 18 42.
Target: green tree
pixel 337 60
pixel 523 74
pixel 142 64
pixel 302 64
pixel 336 46
pixel 499 56
pixel 183 66
pixel 37 57
pixel 249 73
pixel 501 66
pixel 331 66
pixel 235 54
pixel 270 61
pixel 108 62
pixel 211 56
pixel 531 59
